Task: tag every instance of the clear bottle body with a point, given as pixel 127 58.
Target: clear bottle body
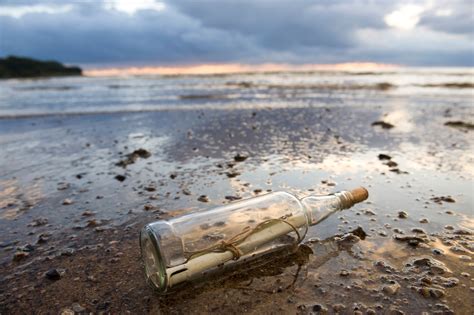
pixel 188 247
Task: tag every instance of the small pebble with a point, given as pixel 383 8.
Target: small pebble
pixel 63 186
pixel 53 274
pixel 120 178
pixel 148 207
pixel 391 289
pixel 77 308
pixel 402 214
pixel 318 308
pixel 338 308
pixel 240 157
pixel 203 198
pixel 19 255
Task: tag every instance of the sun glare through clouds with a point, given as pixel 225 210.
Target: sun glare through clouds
pixel 405 18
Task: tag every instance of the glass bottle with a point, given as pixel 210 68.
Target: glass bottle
pixel 187 247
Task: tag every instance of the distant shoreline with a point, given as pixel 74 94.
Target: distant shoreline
pixel 13 67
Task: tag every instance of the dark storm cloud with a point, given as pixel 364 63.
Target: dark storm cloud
pixel 97 35
pixel 246 31
pixel 284 24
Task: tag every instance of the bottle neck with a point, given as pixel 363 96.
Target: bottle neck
pixel 318 208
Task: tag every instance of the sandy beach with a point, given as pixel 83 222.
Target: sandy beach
pixel 73 195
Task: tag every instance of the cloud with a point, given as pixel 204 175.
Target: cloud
pixel 404 18
pixel 131 7
pixel 286 24
pixel 116 32
pixel 455 17
pixel 20 10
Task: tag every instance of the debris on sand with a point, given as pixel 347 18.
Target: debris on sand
pixel 232 174
pixel 344 273
pixel 78 308
pixel 359 232
pixel 20 255
pixel 203 198
pixel 42 238
pixel 120 178
pixel 38 222
pixel 390 163
pixel 328 182
pixel 384 157
pixel 392 288
pixel 150 188
pixel 398 171
pixel 428 292
pixel 402 215
pixel 63 186
pixel 383 124
pixel 67 202
pixel 148 207
pixel 459 124
pixel 426 264
pixel 462 232
pixel 319 309
pixel 232 198
pixel 240 158
pixel 369 212
pixel 132 157
pixel 412 240
pixel 53 274
pixel 441 199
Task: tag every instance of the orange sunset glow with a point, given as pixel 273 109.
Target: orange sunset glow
pixel 237 68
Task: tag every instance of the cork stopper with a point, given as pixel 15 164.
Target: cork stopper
pixel 359 194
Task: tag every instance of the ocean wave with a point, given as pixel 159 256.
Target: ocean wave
pixel 46 88
pixel 204 96
pixel 450 85
pixel 381 86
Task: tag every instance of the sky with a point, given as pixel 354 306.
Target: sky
pixel 189 32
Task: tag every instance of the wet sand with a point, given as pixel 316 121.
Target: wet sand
pixel 70 215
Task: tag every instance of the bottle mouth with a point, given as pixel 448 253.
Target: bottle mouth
pixel 359 194
pixel 350 198
pixel 155 268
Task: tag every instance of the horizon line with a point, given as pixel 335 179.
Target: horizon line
pixel 230 68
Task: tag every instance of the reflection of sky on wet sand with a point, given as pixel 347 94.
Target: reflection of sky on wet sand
pixel 467 221
pixel 289 150
pixel 15 198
